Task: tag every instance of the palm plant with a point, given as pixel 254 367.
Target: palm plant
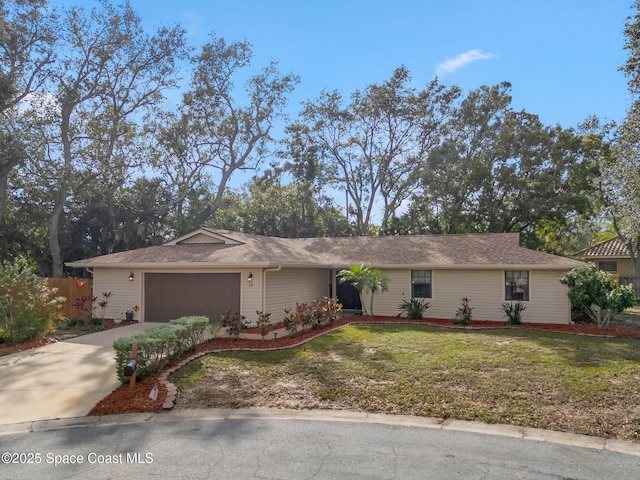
pixel 365 278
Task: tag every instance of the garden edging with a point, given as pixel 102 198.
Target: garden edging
pixel 172 390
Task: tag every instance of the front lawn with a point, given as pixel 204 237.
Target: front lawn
pixel 586 385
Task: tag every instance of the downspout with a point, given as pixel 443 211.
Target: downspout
pixel 264 283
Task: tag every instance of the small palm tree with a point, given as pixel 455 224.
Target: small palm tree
pixel 365 278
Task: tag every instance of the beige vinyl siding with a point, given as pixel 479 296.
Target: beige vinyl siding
pixel 548 302
pixel 548 298
pixel 126 294
pixel 290 285
pixel 201 238
pixel 483 288
pixel 251 294
pixel 386 304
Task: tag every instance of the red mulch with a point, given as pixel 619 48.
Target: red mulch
pixel 127 399
pixel 578 329
pixel 124 400
pixel 5 350
pixel 109 324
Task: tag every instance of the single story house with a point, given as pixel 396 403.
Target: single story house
pixel 610 256
pixel 209 272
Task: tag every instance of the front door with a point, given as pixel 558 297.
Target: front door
pixel 348 296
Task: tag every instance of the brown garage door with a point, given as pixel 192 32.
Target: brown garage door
pixel 173 295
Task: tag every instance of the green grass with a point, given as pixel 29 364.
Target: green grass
pixel 585 385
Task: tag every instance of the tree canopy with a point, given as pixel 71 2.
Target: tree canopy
pixel 104 148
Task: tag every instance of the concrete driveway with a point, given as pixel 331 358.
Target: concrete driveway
pixel 60 380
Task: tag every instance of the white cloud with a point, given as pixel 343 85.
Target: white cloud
pixel 453 64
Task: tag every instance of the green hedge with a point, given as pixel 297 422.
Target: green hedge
pixel 158 346
pixel 196 332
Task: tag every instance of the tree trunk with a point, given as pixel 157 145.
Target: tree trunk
pixel 3 195
pixel 634 251
pixel 371 310
pixel 362 302
pixel 54 240
pixel 61 195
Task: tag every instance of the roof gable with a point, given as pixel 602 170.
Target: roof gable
pixel 204 235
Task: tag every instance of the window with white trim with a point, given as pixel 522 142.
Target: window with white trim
pixel 421 283
pixel 516 285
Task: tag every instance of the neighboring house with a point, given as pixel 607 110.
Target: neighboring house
pixel 209 272
pixel 610 256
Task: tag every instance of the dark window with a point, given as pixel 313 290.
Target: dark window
pixel 516 285
pixel 608 266
pixel 421 283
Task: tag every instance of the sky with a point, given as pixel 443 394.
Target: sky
pixel 561 56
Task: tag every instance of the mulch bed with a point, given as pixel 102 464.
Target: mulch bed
pixel 576 329
pixel 125 399
pixel 7 349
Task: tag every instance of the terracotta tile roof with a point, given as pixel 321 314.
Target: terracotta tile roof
pixel 425 250
pixel 613 247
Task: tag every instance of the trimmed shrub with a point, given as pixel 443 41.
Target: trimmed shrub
pixel 413 308
pixel 464 315
pixel 197 328
pixel 264 322
pixel 513 312
pixel 123 346
pixel 291 321
pixel 330 310
pixel 158 346
pixel 235 323
pixel 314 314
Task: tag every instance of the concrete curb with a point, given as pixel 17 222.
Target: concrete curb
pixel 532 434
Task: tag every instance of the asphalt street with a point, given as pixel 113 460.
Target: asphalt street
pixel 271 448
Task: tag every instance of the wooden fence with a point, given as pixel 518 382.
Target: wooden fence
pixel 73 289
pixel 631 280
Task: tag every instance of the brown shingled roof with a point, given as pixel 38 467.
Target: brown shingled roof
pixel 446 251
pixel 613 247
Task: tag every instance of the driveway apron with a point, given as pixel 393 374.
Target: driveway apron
pixel 60 380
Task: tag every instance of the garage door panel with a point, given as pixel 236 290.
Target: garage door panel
pixel 173 295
